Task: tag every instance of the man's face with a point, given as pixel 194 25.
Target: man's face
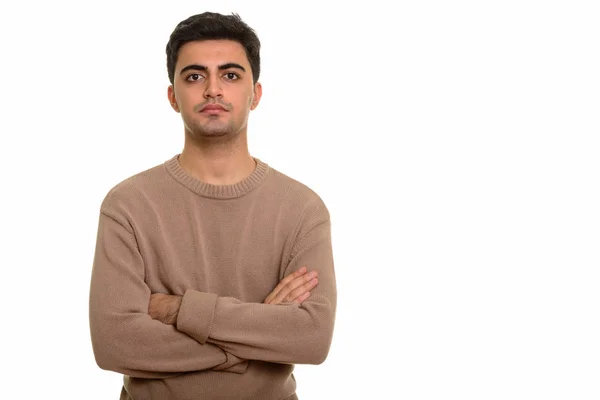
pixel 213 88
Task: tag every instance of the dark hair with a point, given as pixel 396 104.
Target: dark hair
pixel 214 26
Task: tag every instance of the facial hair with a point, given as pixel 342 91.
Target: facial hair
pixel 212 126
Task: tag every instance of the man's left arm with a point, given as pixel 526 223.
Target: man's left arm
pixel 286 333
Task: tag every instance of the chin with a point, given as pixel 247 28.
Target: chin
pixel 211 133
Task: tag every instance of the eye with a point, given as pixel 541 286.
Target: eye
pixel 232 76
pixel 194 77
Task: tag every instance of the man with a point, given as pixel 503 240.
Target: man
pixel 213 272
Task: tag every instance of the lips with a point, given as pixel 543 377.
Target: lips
pixel 212 108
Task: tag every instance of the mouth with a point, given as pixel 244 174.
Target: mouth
pixel 212 109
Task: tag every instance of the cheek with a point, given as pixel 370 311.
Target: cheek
pixel 247 100
pixel 184 97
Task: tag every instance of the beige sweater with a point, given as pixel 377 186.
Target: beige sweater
pixel 224 248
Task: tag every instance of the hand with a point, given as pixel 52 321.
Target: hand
pixel 294 287
pixel 164 307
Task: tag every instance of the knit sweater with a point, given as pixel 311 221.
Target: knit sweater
pixel 224 248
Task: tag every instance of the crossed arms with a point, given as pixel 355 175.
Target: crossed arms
pixel 141 334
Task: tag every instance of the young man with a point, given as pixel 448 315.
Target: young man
pixel 213 272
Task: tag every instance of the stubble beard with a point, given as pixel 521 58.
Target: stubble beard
pixel 212 130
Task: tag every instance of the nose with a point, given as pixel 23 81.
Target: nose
pixel 213 88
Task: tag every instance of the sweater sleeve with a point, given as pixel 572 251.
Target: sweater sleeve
pixel 285 333
pixel 125 338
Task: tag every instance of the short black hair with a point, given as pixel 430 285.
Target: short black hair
pixel 214 26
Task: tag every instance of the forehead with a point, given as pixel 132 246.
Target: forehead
pixel 211 53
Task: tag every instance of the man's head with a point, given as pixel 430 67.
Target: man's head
pixel 214 26
pixel 213 63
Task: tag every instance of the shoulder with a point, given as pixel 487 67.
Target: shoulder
pixel 304 213
pixel 297 197
pixel 130 192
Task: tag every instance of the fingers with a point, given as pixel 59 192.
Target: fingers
pixel 301 298
pixel 302 290
pixel 284 282
pixel 296 287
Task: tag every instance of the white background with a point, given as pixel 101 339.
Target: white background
pixel 455 143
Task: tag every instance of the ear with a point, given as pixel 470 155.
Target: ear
pixel 172 99
pixel 257 95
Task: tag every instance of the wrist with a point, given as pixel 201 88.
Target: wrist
pixel 174 309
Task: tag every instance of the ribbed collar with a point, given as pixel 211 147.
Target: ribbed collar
pixel 218 191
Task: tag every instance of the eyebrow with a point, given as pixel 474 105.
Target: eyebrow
pixel 198 67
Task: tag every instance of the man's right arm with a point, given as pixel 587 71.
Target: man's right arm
pixel 125 338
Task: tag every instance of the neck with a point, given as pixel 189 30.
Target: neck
pixel 217 162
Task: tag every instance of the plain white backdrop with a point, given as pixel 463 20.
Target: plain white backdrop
pixel 456 145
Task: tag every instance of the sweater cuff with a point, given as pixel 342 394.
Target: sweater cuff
pixel 196 314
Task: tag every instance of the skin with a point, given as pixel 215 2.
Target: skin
pixel 217 72
pixel 216 145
